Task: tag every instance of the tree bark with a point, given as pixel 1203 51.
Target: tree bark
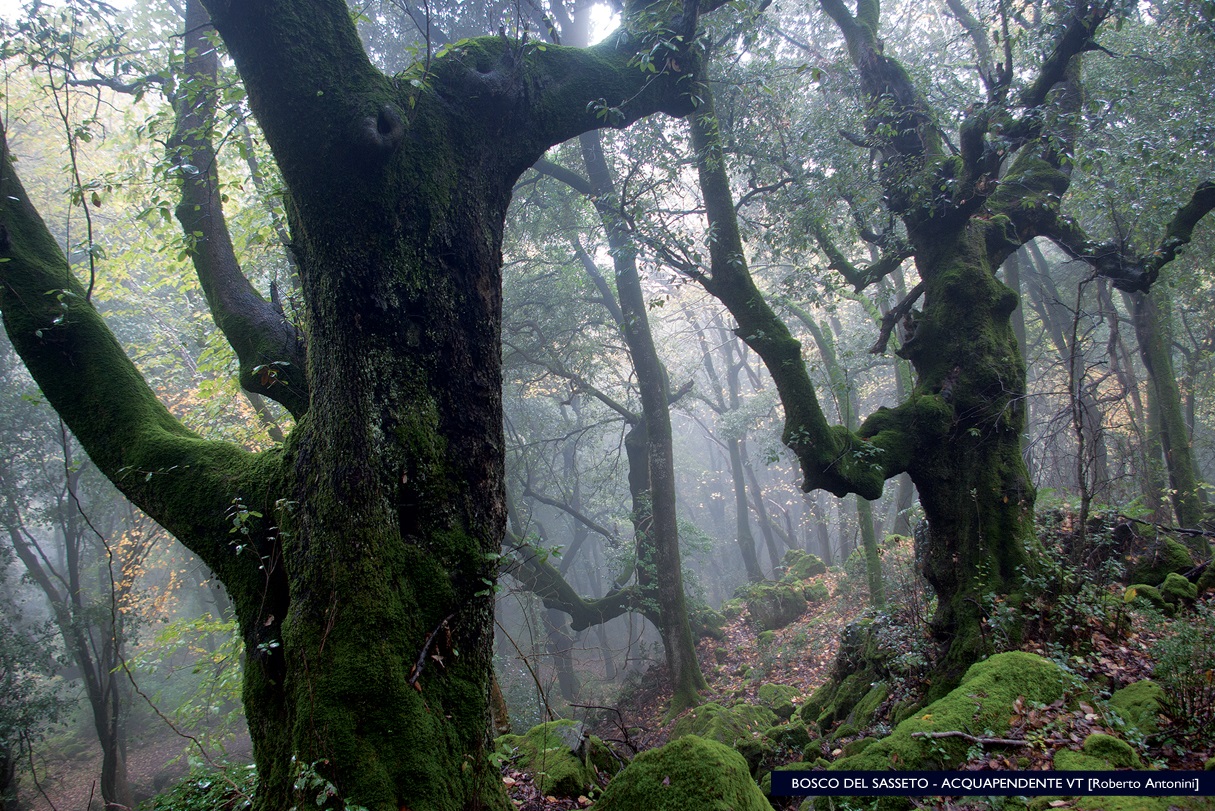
pixel 1152 329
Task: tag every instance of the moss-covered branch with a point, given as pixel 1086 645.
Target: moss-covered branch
pixel 187 484
pixel 859 277
pixel 531 568
pixel 832 457
pixel 269 348
pixel 1180 229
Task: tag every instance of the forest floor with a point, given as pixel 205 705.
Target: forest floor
pixel 802 656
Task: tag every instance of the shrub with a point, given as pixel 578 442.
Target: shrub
pixel 1185 662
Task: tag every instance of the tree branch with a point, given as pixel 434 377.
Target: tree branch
pixel 185 483
pixel 531 568
pixel 270 349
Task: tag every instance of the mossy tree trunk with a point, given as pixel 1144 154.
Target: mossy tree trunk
pixel 360 554
pixel 958 433
pixel 1154 334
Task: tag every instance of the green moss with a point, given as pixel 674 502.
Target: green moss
pixel 774 605
pixel 707 622
pixel 858 746
pixel 740 726
pixel 1139 705
pixel 561 761
pixel 1206 581
pixel 981 704
pixel 688 774
pixel 816 593
pixel 1115 751
pixel 778 698
pixel 813 709
pixel 801 565
pixel 732 609
pixel 1176 590
pixel 1161 557
pixel 866 709
pixel 1068 760
pixel 792 736
pixel 765 638
pixel 845 730
pixel 1149 594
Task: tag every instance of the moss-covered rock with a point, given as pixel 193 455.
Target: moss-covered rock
pixel 859 745
pixel 559 755
pixel 816 592
pixel 778 698
pixel 1176 590
pixel 1149 594
pixel 774 605
pixel 707 622
pixel 845 730
pixel 981 704
pixel 765 638
pixel 792 737
pixel 866 709
pixel 1206 580
pixel 732 609
pixel 801 565
pixel 740 727
pixel 835 702
pixel 1139 705
pixel 1154 564
pixel 688 774
pixel 1115 751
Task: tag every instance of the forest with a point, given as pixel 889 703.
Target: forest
pixel 562 404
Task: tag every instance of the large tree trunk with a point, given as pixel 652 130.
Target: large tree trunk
pixel 974 487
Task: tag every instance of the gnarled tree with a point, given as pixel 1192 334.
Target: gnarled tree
pixel 965 202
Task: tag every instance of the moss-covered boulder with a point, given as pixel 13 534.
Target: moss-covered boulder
pixel 980 705
pixel 1176 590
pixel 859 745
pixel 1206 579
pixel 1139 705
pixel 559 755
pixel 778 698
pixel 774 605
pixel 732 609
pixel 707 622
pixel 1157 560
pixel 792 737
pixel 1148 594
pixel 1115 751
pixel 741 727
pixel 867 708
pixel 816 592
pixel 688 774
pixel 800 565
